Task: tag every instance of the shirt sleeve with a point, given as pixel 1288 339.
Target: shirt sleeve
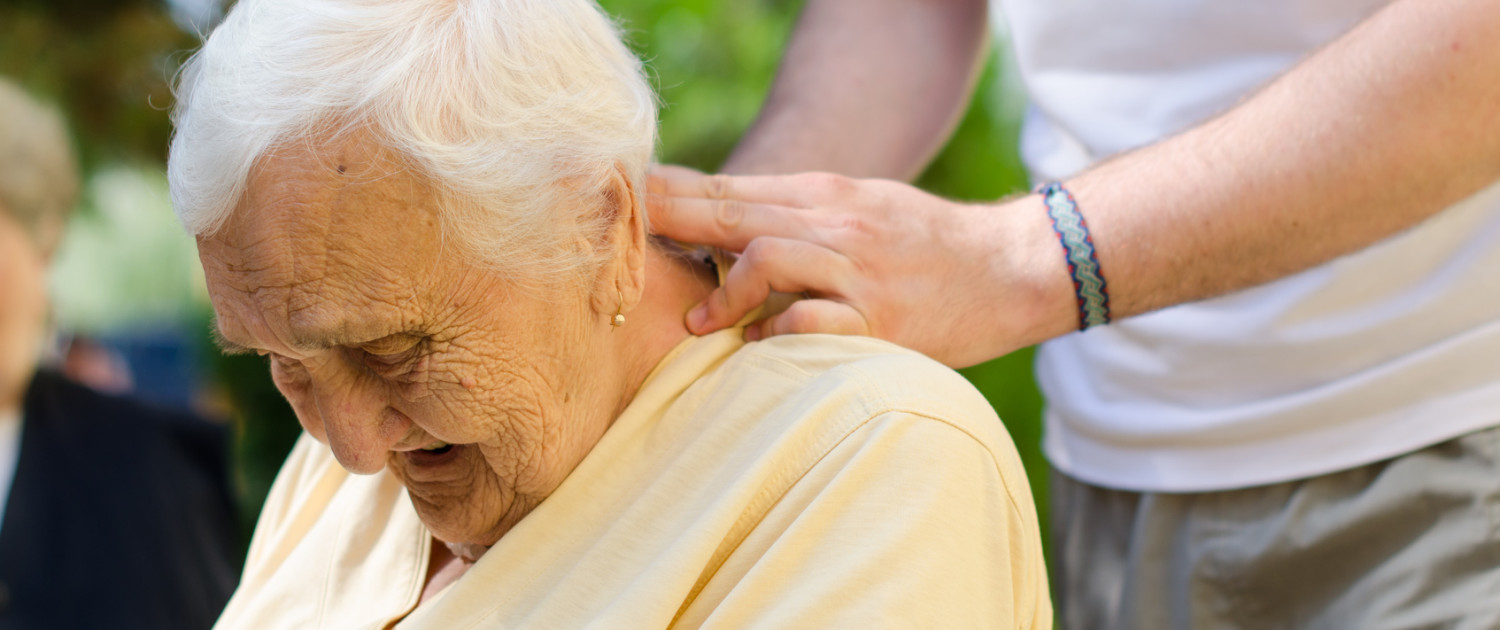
pixel 909 522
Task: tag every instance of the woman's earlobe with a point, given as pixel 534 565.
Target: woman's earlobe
pixel 619 319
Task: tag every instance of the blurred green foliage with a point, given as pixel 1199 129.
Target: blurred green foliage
pixel 108 63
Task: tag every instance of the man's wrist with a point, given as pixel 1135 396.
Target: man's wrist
pixel 1077 244
pixel 1038 300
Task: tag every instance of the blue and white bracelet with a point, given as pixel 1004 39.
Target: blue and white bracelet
pixel 1078 245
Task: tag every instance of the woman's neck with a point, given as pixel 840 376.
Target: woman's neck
pixel 674 284
pixel 652 329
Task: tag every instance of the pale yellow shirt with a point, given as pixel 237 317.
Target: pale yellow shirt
pixel 801 482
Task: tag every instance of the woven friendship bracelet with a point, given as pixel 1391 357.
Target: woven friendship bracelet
pixel 1078 245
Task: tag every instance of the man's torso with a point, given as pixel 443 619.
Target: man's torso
pixel 1366 357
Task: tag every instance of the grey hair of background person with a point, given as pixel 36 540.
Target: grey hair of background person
pixel 38 176
pixel 521 113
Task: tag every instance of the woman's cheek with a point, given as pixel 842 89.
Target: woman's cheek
pixel 466 395
pixel 295 391
pixel 308 417
pixel 447 414
pixel 454 412
pixel 415 385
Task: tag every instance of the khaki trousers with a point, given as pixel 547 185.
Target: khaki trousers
pixel 1411 542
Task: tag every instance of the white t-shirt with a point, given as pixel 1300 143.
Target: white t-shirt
pixel 1367 357
pixel 10 453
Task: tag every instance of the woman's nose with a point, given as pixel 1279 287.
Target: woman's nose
pixel 357 419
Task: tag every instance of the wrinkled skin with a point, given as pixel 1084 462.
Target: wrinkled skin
pixel 386 342
pixel 23 310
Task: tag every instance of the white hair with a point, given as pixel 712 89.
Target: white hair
pixel 520 112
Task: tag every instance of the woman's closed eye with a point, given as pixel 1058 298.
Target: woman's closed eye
pixel 392 354
pixel 286 371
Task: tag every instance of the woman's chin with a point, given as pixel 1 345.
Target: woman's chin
pixel 457 536
pixel 455 494
pixel 452 524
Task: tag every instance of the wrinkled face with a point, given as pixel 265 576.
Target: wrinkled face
pixel 23 309
pixel 399 354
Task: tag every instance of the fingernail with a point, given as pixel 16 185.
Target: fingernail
pixel 752 333
pixel 697 317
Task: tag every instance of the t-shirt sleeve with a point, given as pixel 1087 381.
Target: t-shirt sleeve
pixel 909 522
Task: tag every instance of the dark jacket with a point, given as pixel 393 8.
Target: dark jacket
pixel 119 516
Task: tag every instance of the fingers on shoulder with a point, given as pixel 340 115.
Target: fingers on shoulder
pixel 813 316
pixel 790 266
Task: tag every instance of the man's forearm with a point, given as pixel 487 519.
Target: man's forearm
pixel 1390 124
pixel 867 88
pixel 1385 127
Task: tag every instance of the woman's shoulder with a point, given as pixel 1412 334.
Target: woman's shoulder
pixel 796 398
pixel 849 453
pixel 870 377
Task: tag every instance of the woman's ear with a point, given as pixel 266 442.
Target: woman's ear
pixel 621 279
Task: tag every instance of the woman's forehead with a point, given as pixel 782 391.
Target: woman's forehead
pixel 310 219
pixel 308 241
pixel 308 317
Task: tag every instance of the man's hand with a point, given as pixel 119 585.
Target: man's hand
pixel 960 283
pixel 1370 136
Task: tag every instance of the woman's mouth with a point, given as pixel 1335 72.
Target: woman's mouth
pixel 435 454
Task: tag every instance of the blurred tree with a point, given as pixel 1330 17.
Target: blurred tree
pixel 712 62
pixel 107 63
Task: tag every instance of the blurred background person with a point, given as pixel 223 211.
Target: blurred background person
pixel 115 513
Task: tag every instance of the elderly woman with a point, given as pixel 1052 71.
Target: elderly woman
pixel 429 215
